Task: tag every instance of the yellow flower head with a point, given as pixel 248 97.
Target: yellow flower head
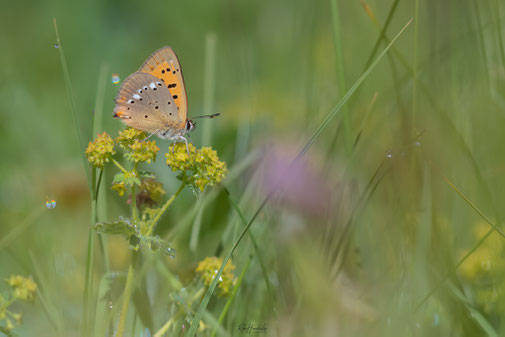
pixel 208 268
pixel 137 149
pixel 119 187
pixel 201 168
pixel 23 288
pixel 100 150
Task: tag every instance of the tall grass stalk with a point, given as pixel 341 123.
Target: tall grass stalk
pixel 198 316
pixel 414 66
pixel 339 58
pixel 93 188
pixel 232 296
pixel 73 107
pixel 494 228
pixel 382 31
pixel 45 299
pixel 257 251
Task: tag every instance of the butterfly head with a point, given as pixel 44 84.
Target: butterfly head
pixel 190 125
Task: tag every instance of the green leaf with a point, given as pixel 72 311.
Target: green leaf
pixel 157 244
pixel 122 226
pixel 118 178
pixel 126 178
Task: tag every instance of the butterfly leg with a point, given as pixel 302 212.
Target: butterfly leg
pixel 150 135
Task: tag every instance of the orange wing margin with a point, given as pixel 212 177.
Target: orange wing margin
pixel 165 65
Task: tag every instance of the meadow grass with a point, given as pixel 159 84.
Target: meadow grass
pixel 366 209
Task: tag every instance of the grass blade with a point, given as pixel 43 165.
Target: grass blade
pixel 73 107
pixel 470 252
pixel 198 316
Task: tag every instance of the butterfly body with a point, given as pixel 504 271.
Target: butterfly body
pixel 154 100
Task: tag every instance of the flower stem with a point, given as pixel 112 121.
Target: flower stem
pixel 134 196
pixel 127 294
pixel 88 285
pixel 119 166
pixel 164 208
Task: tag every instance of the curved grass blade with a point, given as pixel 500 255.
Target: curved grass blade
pixel 203 305
pixel 470 252
pixel 73 107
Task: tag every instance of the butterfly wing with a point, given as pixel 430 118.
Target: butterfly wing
pixel 165 65
pixel 145 103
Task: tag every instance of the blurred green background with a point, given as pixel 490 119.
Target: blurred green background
pixel 367 236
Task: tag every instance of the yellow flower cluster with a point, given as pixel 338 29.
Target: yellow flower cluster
pixel 487 259
pixel 201 168
pixel 129 136
pixel 137 148
pixel 100 150
pixel 485 268
pixel 23 288
pixel 208 268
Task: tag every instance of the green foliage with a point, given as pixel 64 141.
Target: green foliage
pixel 366 234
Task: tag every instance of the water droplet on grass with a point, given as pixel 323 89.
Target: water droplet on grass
pixel 389 154
pixel 115 78
pixel 436 319
pixel 50 204
pixel 170 252
pixel 418 143
pixel 56 45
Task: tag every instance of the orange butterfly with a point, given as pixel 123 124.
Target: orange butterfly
pixel 154 100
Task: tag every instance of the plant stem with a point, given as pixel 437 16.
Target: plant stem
pixel 164 208
pixel 232 296
pixel 164 328
pixel 127 294
pixel 119 166
pixel 88 286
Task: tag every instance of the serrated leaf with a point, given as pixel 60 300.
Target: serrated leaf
pixel 119 177
pixel 146 174
pixel 122 226
pixel 130 180
pixel 157 244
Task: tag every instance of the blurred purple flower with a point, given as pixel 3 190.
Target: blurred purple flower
pixel 304 186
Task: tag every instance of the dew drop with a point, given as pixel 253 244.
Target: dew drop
pixel 115 78
pixel 436 319
pixel 110 305
pixel 50 204
pixel 170 252
pixel 56 45
pixel 389 154
pixel 418 143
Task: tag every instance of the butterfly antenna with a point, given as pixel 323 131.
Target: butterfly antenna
pixel 207 116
